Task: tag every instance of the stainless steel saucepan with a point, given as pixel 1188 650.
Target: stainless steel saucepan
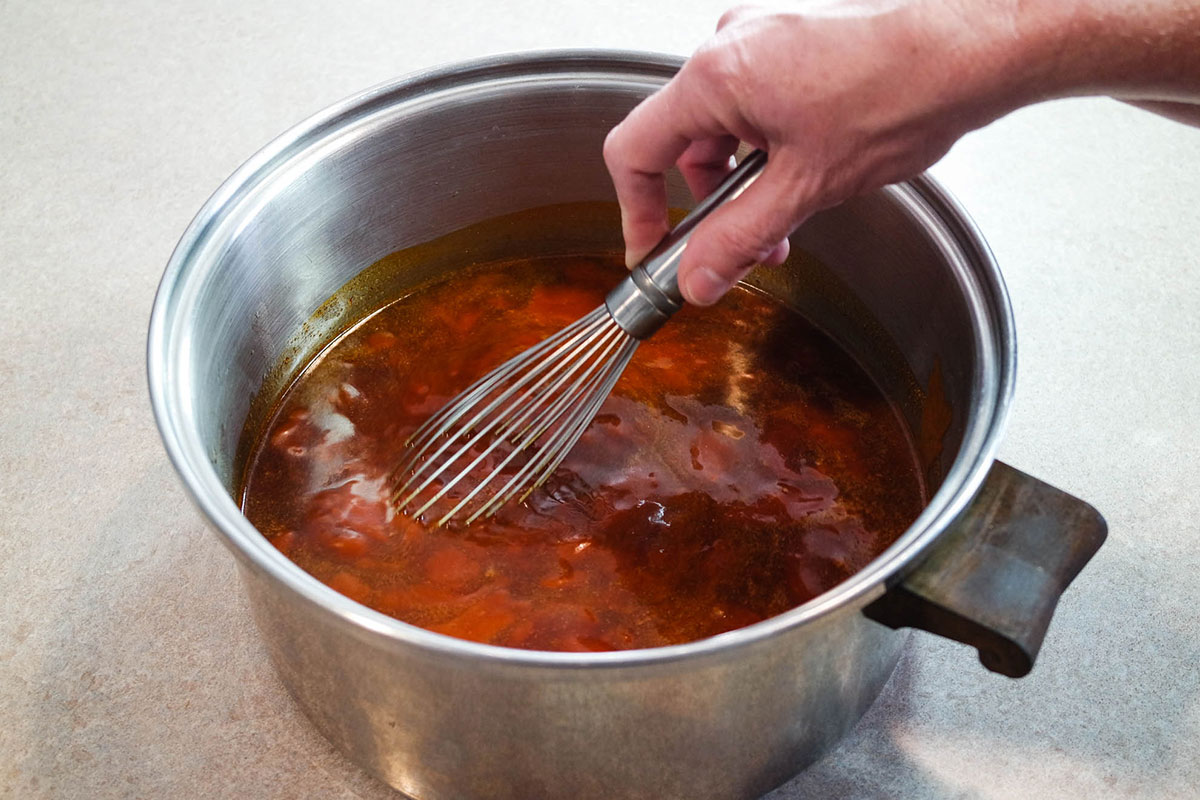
pixel 901 277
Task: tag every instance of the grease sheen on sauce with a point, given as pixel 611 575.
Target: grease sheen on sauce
pixel 743 465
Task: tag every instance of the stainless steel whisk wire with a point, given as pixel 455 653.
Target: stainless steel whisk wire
pixel 562 381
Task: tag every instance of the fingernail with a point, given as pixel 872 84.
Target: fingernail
pixel 704 287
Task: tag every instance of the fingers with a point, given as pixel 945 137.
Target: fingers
pixel 640 150
pixel 778 254
pixel 749 230
pixel 679 124
pixel 737 14
pixel 706 163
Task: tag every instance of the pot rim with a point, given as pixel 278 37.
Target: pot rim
pixel 167 345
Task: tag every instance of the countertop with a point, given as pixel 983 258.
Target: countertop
pixel 129 666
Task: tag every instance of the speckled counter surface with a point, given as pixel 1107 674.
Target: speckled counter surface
pixel 128 663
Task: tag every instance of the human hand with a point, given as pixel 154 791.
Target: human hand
pixel 844 95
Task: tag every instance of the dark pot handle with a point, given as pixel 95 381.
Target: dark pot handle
pixel 993 579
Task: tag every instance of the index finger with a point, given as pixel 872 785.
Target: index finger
pixel 638 153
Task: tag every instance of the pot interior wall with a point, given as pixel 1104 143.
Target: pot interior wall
pixel 397 172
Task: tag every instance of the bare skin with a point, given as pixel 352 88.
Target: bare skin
pixel 849 95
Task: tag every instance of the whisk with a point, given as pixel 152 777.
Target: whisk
pixel 515 425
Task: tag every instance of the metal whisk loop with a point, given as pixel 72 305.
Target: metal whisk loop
pixel 547 396
pixel 584 386
pixel 419 462
pixel 517 413
pixel 555 450
pixel 437 425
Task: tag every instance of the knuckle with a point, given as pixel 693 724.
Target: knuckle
pixel 712 64
pixel 736 14
pixel 724 69
pixel 613 148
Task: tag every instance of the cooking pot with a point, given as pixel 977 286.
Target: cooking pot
pixel 900 277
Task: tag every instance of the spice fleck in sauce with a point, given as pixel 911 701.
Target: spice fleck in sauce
pixel 743 465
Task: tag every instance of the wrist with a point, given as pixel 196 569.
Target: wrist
pixel 1009 54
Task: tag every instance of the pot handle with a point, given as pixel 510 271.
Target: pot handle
pixel 994 577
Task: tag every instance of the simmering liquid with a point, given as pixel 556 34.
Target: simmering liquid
pixel 743 465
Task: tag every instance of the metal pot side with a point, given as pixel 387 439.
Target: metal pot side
pixel 727 717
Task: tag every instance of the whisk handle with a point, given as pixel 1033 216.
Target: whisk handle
pixel 645 300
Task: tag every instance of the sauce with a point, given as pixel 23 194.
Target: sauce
pixel 743 465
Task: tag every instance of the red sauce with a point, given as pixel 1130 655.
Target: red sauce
pixel 743 465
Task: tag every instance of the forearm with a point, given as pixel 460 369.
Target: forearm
pixel 1136 50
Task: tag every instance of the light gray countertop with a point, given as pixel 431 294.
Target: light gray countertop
pixel 128 664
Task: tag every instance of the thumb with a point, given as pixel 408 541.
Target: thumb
pixel 744 232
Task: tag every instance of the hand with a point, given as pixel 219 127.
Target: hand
pixel 844 96
pixel 849 95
